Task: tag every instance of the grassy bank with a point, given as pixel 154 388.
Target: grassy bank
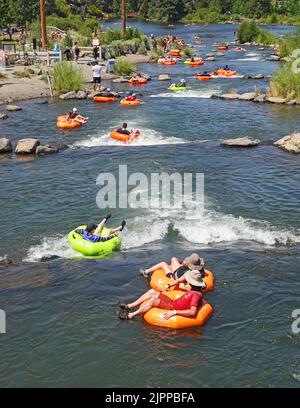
pixel 290 43
pixel 286 81
pixel 250 32
pixel 66 77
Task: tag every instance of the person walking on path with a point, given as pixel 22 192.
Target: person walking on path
pixel 96 76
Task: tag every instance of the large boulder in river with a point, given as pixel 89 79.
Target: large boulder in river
pixel 68 95
pixel 240 142
pixel 273 99
pixel 3 116
pixel 210 59
pixel 256 77
pixel 26 146
pixel 13 108
pixel 46 149
pixel 230 96
pixel 292 102
pixel 249 96
pixel 290 143
pixel 58 145
pixel 81 95
pixel 164 77
pixel 273 58
pixel 260 98
pixel 5 145
pixel 120 80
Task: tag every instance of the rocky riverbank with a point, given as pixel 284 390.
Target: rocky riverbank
pixel 22 82
pixel 256 97
pixel 31 147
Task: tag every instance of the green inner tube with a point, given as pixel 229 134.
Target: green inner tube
pixel 177 88
pixel 89 248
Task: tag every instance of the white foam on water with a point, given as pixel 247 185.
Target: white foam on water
pixel 207 228
pixel 49 246
pixel 229 77
pixel 252 54
pixel 148 137
pixel 214 227
pixel 206 94
pixel 248 59
pixel 145 232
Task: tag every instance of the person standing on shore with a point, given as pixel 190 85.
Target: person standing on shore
pixel 96 76
pixel 68 54
pixel 153 42
pixel 96 52
pixel 76 52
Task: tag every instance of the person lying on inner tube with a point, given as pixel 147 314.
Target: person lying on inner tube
pixel 182 84
pixel 93 231
pixel 206 74
pixel 178 268
pixel 226 68
pixel 131 97
pixel 123 130
pixel 136 77
pixel 192 59
pixel 106 93
pixel 73 114
pixel 186 305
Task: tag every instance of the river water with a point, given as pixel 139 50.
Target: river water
pixel 62 328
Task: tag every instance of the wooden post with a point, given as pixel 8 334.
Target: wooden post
pixel 124 15
pixel 50 86
pixel 43 24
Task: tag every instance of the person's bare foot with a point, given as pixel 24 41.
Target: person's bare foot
pixel 124 306
pixel 143 272
pixel 123 315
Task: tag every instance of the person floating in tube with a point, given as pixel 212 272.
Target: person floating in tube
pixel 186 305
pixel 107 93
pixel 178 268
pixel 182 84
pixel 92 232
pixel 131 97
pixel 73 114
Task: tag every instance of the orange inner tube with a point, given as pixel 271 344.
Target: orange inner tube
pixel 169 62
pixel 104 99
pixel 225 48
pixel 196 63
pixel 124 138
pixel 159 280
pixel 155 315
pixel 123 102
pixel 63 123
pixel 223 73
pixel 199 42
pixel 140 81
pixel 175 53
pixel 203 77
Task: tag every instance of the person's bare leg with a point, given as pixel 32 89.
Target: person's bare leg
pixel 162 265
pixel 151 293
pixel 100 227
pixel 114 230
pixel 175 264
pixel 144 309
